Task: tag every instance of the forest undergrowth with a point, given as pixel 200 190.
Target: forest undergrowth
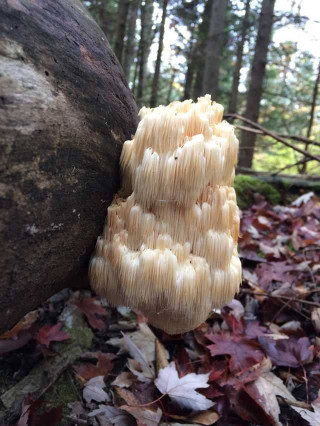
pixel 255 362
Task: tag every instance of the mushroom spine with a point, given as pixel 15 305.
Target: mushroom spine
pixel 169 249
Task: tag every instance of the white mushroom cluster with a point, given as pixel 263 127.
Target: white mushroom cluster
pixel 169 249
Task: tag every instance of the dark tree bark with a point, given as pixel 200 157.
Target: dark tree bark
pixel 190 70
pixel 256 80
pixel 173 76
pixel 156 76
pixel 200 49
pixel 214 48
pixel 144 46
pixel 122 16
pixel 65 110
pixel 106 20
pixel 129 51
pixel 303 168
pixel 236 75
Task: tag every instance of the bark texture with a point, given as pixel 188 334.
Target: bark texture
pixel 236 74
pixel 146 37
pixel 129 51
pixel 256 80
pixel 155 81
pixel 303 168
pixel 65 110
pixel 122 16
pixel 214 48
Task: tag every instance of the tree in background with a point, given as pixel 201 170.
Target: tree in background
pixel 233 102
pixel 256 81
pixel 130 46
pixel 192 56
pixel 146 37
pixel 156 76
pixel 122 16
pixel 214 48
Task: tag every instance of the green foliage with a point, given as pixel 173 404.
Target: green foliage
pixel 247 186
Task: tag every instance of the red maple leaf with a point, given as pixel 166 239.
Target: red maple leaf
pixel 88 370
pixel 91 308
pixel 288 352
pixel 244 353
pixel 50 333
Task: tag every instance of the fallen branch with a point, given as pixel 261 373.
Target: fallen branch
pixel 274 136
pixel 293 137
pixel 291 299
pixel 297 163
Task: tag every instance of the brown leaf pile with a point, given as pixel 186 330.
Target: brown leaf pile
pixel 255 362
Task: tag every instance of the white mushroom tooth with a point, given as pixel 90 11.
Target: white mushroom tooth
pixel 170 248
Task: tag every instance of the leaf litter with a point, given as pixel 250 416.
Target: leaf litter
pixel 255 362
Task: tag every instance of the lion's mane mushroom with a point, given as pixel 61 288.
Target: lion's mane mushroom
pixel 169 249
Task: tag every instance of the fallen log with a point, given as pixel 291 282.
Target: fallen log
pixel 65 110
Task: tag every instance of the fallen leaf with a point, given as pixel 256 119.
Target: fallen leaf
pixel 87 371
pixel 138 355
pixel 315 317
pixel 91 307
pixel 244 353
pixel 8 345
pixel 48 334
pixel 124 380
pixel 24 324
pixel 161 356
pixel 313 417
pixel 205 418
pixel 303 199
pixel 183 390
pixel 145 416
pixel 93 390
pixel 288 352
pixel 114 415
pixel 52 417
pixel 143 338
pixel 268 387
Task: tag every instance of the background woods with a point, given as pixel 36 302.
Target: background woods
pixel 258 58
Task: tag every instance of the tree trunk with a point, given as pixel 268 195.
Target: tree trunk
pixel 121 28
pixel 236 75
pixel 155 82
pixel 106 20
pixel 129 51
pixel 313 106
pixel 173 76
pixel 214 48
pixel 256 81
pixel 144 46
pixel 190 70
pixel 200 49
pixel 65 111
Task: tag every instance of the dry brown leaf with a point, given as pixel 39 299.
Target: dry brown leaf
pixel 315 316
pixel 205 418
pixel 144 416
pixel 24 324
pixel 124 380
pixel 161 356
pixel 127 396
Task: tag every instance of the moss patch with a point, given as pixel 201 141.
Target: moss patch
pixel 247 186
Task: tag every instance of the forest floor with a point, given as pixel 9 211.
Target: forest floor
pixel 76 361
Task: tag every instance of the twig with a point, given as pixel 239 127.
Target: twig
pixel 274 136
pixel 79 422
pixel 293 299
pixel 260 132
pixel 299 404
pixel 297 163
